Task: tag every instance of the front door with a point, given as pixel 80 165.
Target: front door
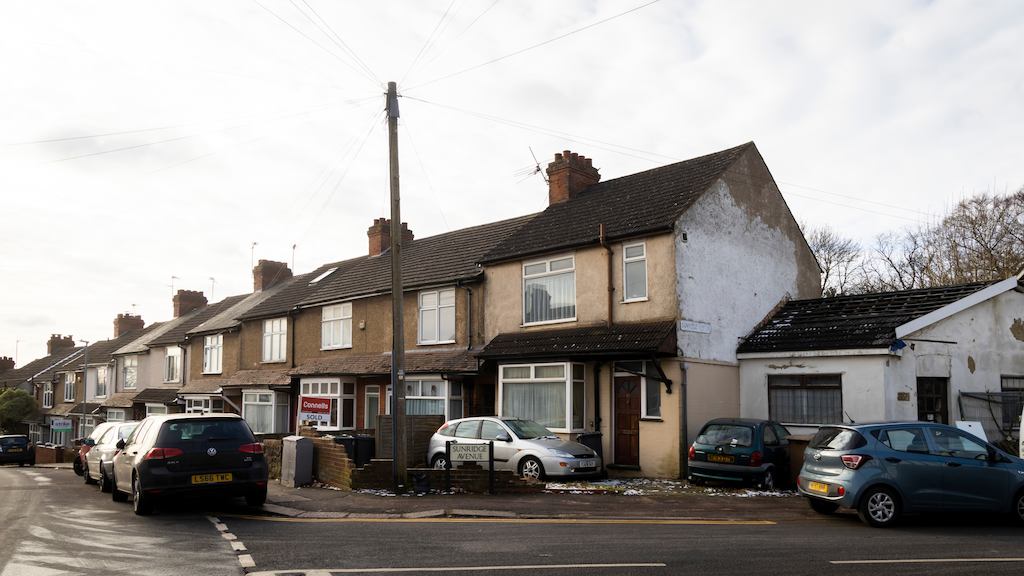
pixel 627 420
pixel 933 400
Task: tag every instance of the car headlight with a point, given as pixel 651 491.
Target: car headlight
pixel 561 454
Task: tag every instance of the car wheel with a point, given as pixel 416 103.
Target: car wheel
pixel 879 507
pixel 76 465
pixel 256 497
pixel 440 462
pixel 1018 507
pixel 531 468
pixel 767 482
pixel 823 507
pixel 104 481
pixel 142 504
pixel 115 494
pixel 86 476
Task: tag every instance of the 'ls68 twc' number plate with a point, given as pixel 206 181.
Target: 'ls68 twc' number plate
pixel 210 478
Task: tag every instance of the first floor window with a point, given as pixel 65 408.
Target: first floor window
pixel 553 395
pixel 549 290
pixel 48 395
pixel 275 333
pixel 437 316
pixel 1013 401
pixel 115 415
pixel 155 409
pixel 805 398
pixel 213 347
pixel 130 370
pixel 343 400
pixel 650 389
pixel 172 364
pixel 35 433
pixel 266 411
pixel 69 386
pixel 634 272
pixel 336 326
pixel 101 381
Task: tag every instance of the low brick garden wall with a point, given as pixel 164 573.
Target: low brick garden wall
pixel 330 463
pixel 469 477
pixel 51 455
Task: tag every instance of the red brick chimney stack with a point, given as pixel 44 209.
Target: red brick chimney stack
pixel 125 323
pixel 568 175
pixel 186 301
pixel 380 235
pixel 56 343
pixel 269 273
pixel 6 363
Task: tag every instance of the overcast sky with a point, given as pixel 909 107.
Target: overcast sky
pixel 143 140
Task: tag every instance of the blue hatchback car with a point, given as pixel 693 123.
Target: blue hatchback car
pixel 886 470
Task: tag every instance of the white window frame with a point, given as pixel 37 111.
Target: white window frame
pixel 47 394
pixel 275 339
pixel 340 316
pixel 437 311
pixel 277 401
pixel 35 433
pixel 644 383
pixel 101 381
pixel 625 261
pixel 332 389
pixel 85 426
pixel 59 438
pixel 567 378
pixel 130 364
pixel 213 354
pixel 116 415
pixel 447 397
pixel 69 386
pixel 155 408
pixel 172 364
pixel 370 390
pixel 547 262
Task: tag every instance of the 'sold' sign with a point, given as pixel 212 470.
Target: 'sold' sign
pixel 315 410
pixel 470 452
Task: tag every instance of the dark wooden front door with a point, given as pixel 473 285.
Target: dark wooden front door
pixel 933 400
pixel 627 420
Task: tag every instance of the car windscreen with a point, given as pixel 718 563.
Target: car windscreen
pixel 833 438
pixel 527 429
pixel 5 442
pixel 125 430
pixel 720 434
pixel 177 432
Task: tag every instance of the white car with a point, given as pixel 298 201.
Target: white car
pixel 522 446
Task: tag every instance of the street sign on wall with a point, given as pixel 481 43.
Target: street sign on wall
pixel 314 410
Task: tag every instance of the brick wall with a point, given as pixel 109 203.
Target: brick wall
pixel 469 477
pixel 48 455
pixel 418 430
pixel 330 463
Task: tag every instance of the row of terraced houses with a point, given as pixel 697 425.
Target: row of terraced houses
pixel 621 308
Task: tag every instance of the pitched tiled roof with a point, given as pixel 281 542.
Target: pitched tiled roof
pixel 101 352
pixel 293 291
pixel 641 203
pixel 189 321
pixel 444 258
pixel 202 386
pixel 41 369
pixel 433 362
pixel 118 400
pixel 844 322
pixel 227 317
pixel 242 378
pixel 157 396
pixel 153 331
pixel 62 409
pixel 640 339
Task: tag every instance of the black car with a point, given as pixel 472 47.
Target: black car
pixel 180 454
pixel 740 450
pixel 16 449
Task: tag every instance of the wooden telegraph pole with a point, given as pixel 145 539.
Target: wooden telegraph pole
pixel 398 450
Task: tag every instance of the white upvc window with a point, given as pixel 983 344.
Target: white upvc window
pixel 549 290
pixel 85 426
pixel 48 395
pixel 58 437
pixel 553 395
pixel 431 395
pixel 266 411
pixel 130 371
pixel 437 316
pixel 69 386
pixel 101 381
pixel 342 396
pixel 152 409
pixel 371 407
pixel 203 404
pixel 336 326
pixel 115 415
pixel 275 338
pixel 213 348
pixel 172 364
pixel 35 433
pixel 650 389
pixel 634 272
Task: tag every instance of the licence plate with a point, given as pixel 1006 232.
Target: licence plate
pixel 819 487
pixel 210 478
pixel 588 463
pixel 723 458
pixel 14 449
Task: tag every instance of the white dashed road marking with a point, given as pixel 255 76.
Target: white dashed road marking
pixel 244 560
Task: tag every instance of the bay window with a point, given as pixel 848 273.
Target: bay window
pixel 203 404
pixel 115 415
pixel 549 290
pixel 343 400
pixel 275 332
pixel 336 326
pixel 266 411
pixel 152 409
pixel 213 347
pixel 430 396
pixel 553 395
pixel 437 316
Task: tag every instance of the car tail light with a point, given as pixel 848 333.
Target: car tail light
pixel 693 453
pixel 254 448
pixel 854 461
pixel 755 459
pixel 162 453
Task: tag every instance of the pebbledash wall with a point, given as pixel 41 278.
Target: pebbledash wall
pixel 974 348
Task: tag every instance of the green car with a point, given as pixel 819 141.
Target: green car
pixel 742 451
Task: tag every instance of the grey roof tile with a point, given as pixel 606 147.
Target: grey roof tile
pixel 635 340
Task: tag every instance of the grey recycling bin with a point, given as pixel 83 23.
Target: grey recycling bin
pixel 296 461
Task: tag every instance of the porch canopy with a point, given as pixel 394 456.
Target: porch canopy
pixel 165 396
pixel 633 341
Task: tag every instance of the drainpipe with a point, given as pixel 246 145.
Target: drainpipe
pixel 611 288
pixel 469 314
pixel 684 442
pixel 597 396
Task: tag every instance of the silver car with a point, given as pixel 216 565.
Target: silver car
pixel 522 446
pixel 99 459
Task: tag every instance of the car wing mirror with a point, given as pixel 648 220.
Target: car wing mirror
pixel 993 456
pixel 120 444
pixel 503 437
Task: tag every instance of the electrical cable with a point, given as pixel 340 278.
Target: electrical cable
pixel 464 30
pixel 426 176
pixel 333 36
pixel 428 41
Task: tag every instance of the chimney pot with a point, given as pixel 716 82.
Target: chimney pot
pixel 269 273
pixel 186 301
pixel 379 235
pixel 125 323
pixel 56 343
pixel 6 363
pixel 569 175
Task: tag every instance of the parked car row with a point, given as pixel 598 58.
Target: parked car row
pixel 167 457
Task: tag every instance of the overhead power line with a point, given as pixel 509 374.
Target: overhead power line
pixel 333 36
pixel 534 46
pixel 428 42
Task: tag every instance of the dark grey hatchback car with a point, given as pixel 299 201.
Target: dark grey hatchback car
pixel 180 454
pixel 886 470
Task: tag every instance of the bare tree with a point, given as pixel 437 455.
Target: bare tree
pixel 840 259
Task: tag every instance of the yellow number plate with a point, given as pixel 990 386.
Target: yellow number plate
pixel 14 449
pixel 721 458
pixel 819 487
pixel 210 478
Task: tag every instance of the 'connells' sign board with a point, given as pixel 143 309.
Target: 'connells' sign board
pixel 315 410
pixel 470 452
